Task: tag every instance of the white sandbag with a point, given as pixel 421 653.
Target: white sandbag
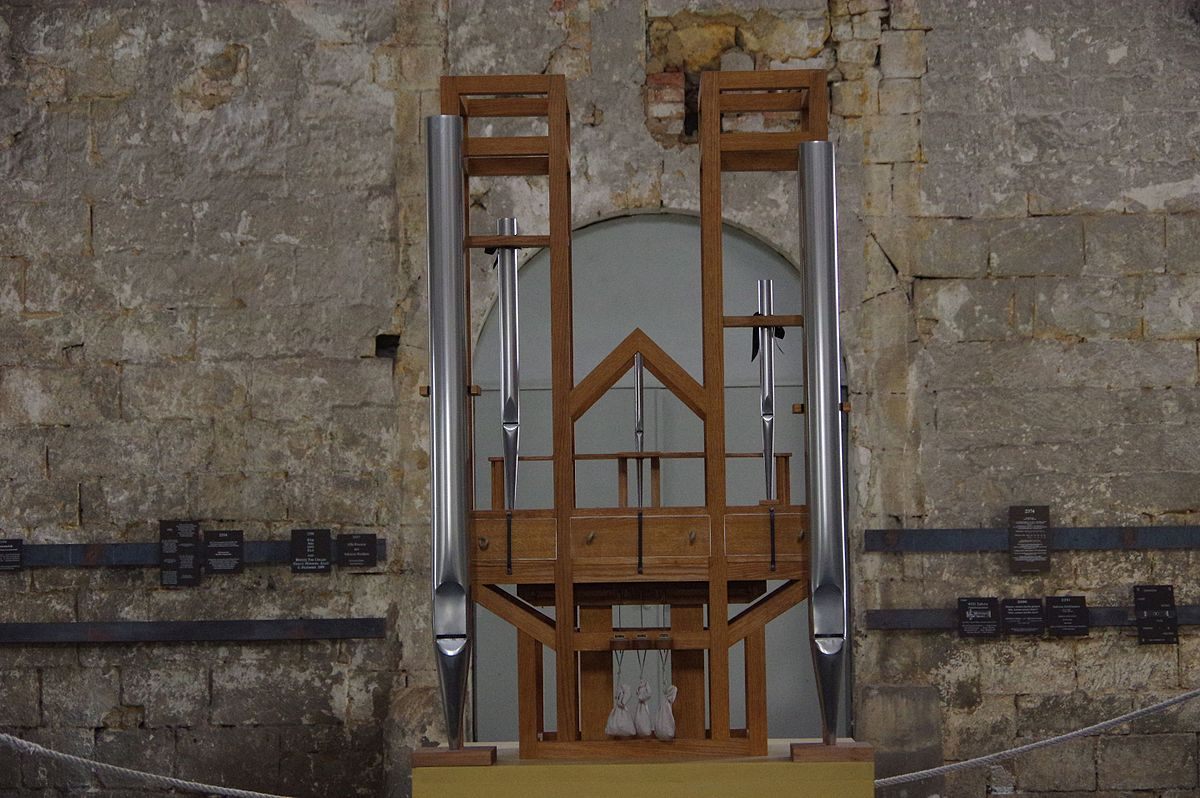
pixel 620 722
pixel 664 723
pixel 641 718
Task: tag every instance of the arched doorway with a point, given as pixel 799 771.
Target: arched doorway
pixel 631 271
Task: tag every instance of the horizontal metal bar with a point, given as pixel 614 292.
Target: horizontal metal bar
pixel 947 618
pixel 1089 538
pixel 116 555
pixel 193 631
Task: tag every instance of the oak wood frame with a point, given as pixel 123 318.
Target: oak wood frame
pixel 582 637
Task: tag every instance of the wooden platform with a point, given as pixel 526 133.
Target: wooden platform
pixel 773 776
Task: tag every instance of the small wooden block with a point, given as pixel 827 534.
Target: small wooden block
pixel 845 750
pixel 471 756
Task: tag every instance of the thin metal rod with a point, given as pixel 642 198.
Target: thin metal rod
pixel 448 416
pixel 825 461
pixel 766 384
pixel 510 374
pixel 639 440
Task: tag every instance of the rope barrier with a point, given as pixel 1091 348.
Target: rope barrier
pixel 167 782
pixel 153 779
pixel 1001 756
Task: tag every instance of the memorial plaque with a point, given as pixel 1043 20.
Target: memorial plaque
pixel 1028 539
pixel 978 617
pixel 1154 609
pixel 224 551
pixel 1067 616
pixel 357 550
pixel 12 551
pixel 312 551
pixel 179 553
pixel 1023 616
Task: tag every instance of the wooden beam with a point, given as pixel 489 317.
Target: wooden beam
pixel 521 615
pixel 522 242
pixel 764 321
pixel 489 107
pixel 505 146
pixel 764 101
pixel 767 609
pixel 766 79
pixel 499 84
pixel 713 346
pixel 620 360
pixel 765 142
pixel 507 167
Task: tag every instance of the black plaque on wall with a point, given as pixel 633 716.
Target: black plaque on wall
pixel 224 551
pixel 357 550
pixel 1023 616
pixel 1154 609
pixel 1028 539
pixel 979 617
pixel 12 554
pixel 179 553
pixel 1067 616
pixel 312 551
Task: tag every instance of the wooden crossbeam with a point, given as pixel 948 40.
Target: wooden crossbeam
pixel 767 609
pixel 521 615
pixel 620 360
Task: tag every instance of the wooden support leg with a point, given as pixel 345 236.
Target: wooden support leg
pixel 756 691
pixel 595 676
pixel 687 673
pixel 529 693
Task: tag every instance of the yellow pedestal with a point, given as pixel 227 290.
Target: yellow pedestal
pixel 774 776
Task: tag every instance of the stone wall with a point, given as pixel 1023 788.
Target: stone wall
pixel 199 243
pixel 211 212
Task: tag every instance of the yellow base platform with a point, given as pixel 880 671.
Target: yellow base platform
pixel 773 776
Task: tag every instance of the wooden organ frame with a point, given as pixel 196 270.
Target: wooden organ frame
pixel 583 561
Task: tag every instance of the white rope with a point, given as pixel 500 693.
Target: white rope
pixel 166 782
pixel 1001 756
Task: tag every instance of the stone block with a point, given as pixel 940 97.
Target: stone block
pixel 59 395
pixel 138 749
pixel 1125 244
pixel 1037 246
pixel 243 757
pixel 1016 667
pixel 892 139
pixel 900 96
pixel 41 773
pixel 1110 662
pixel 239 496
pixel 81 697
pixel 902 53
pixel 298 389
pixel 184 391
pixel 904 724
pixel 1089 308
pixel 1049 715
pixel 168 696
pixel 20 698
pixel 254 695
pixel 1183 243
pixel 335 498
pixel 1172 306
pixel 1053 364
pixel 965 310
pixel 1147 761
pixel 989 726
pixel 1068 766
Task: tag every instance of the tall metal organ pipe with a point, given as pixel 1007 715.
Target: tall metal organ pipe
pixel 828 602
pixel 448 402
